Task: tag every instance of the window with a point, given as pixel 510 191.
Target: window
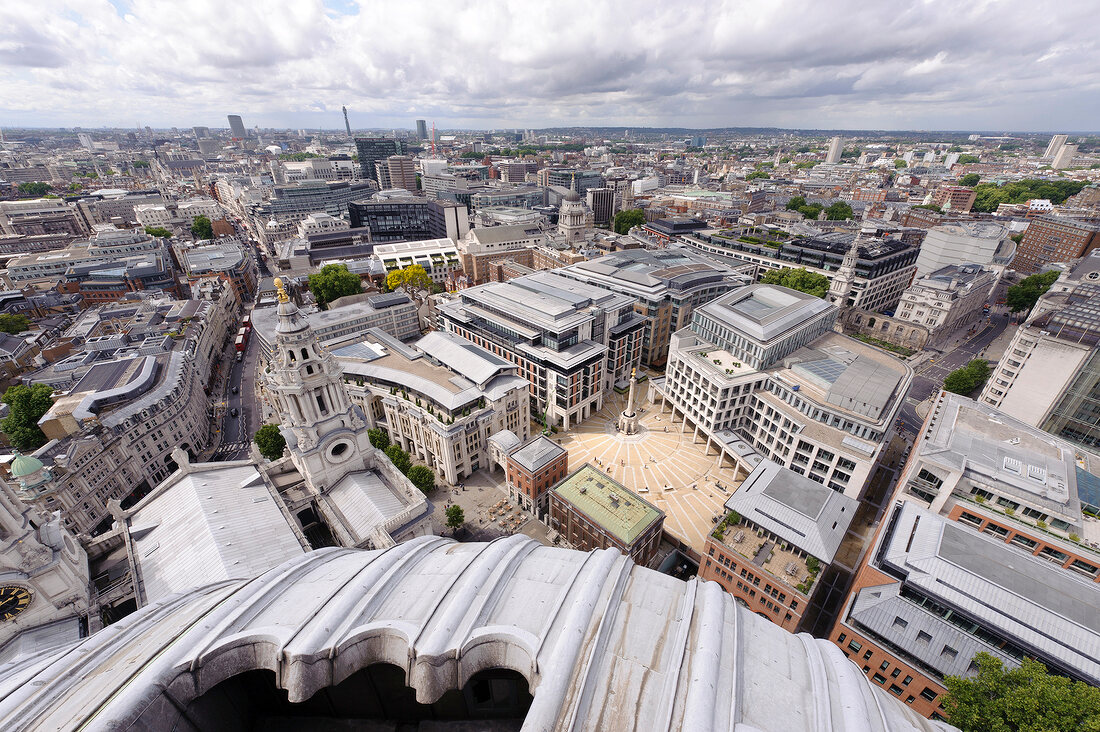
pixel 843 636
pixel 948 652
pixel 910 699
pixel 1021 540
pixel 867 653
pixel 855 646
pixel 885 665
pixel 923 637
pixel 879 679
pixel 895 689
pixel 895 673
pixel 906 680
pixel 929 693
pixel 900 622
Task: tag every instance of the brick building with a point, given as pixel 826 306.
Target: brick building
pixel 782 532
pixel 591 510
pixel 957 198
pixel 533 470
pixel 1054 239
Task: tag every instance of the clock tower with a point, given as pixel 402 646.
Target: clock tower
pixel 325 432
pixel 43 571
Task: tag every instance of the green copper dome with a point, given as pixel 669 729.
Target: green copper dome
pixel 24 465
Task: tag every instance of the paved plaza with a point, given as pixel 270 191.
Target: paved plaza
pixel 660 464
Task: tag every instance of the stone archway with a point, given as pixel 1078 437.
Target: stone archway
pixel 375 693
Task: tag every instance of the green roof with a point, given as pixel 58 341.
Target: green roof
pixel 24 465
pixel 620 512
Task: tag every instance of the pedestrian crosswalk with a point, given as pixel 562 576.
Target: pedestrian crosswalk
pixel 227 448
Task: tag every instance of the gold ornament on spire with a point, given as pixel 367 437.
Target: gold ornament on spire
pixel 283 297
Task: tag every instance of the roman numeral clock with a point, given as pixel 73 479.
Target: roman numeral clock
pixel 13 600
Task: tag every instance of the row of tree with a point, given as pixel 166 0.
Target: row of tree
pixel 839 211
pixel 1023 296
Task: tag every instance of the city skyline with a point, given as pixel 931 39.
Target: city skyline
pixel 928 66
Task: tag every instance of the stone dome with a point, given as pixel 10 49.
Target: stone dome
pixel 572 196
pixel 24 465
pixel 552 639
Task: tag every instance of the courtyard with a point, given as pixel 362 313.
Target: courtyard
pixel 660 464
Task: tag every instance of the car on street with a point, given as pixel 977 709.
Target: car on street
pixel 234 412
pixel 235 390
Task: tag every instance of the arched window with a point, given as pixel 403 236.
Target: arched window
pixel 290 355
pixel 305 354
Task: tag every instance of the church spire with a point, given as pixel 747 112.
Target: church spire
pixel 840 289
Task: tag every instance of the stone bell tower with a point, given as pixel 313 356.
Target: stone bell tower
pixel 325 433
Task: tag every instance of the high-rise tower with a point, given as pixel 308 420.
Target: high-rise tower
pixel 347 125
pixel 836 150
pixel 422 129
pixel 236 127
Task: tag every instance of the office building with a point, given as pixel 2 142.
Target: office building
pixel 513 196
pixel 345 322
pixel 978 242
pixel 604 643
pixel 947 299
pixel 400 173
pixel 984 548
pixel 882 270
pixel 601 201
pixel 781 533
pixel 579 180
pixel 98 283
pixel 1051 239
pixel 106 246
pixel 1049 376
pixel 440 398
pixel 409 218
pixel 1064 158
pixel 956 199
pixel 760 374
pixel 532 470
pixel 667 284
pixel 483 247
pixel 592 510
pixel 236 127
pixel 231 263
pixel 836 150
pixel 573 342
pixel 421 129
pixel 201 133
pixel 438 257
pixel 1054 146
pixel 371 150
pixel 129 397
pixel 39 225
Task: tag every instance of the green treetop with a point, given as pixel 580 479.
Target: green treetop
pixel 627 219
pixel 26 405
pixel 800 279
pixel 333 281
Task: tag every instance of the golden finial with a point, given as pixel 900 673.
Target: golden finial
pixel 283 297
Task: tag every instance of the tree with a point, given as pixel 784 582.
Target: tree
pixel 810 210
pixel 202 228
pixel 399 458
pixel 378 438
pixel 14 323
pixel 140 163
pixel 158 231
pixel 422 477
pixel 35 189
pixel 900 163
pixel 455 517
pixel 270 441
pixel 987 196
pixel 627 219
pixel 412 280
pixel 970 180
pixel 839 211
pixel 1023 296
pixel 796 203
pixel 1022 699
pixel 800 279
pixel 967 379
pixel 967 159
pixel 333 281
pixel 756 174
pixel 26 405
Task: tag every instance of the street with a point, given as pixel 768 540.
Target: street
pixel 929 376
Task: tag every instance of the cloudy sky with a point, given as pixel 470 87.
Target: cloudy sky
pixel 865 64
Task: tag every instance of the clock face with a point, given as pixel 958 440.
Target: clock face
pixel 13 600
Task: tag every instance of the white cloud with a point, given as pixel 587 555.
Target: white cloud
pixel 935 64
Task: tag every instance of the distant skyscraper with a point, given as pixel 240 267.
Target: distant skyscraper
pixel 836 149
pixel 1064 157
pixel 347 125
pixel 85 140
pixel 201 132
pixel 373 149
pixel 422 129
pixel 1055 145
pixel 602 203
pixel 236 127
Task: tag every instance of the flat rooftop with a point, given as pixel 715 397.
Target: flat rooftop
pixel 765 312
pixel 618 511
